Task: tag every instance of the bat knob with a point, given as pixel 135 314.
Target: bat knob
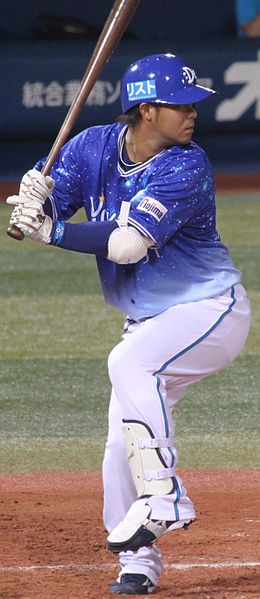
pixel 15 233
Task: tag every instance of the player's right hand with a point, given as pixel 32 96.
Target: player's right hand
pixel 36 185
pixel 29 217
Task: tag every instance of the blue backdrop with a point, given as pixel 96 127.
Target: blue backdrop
pixel 40 77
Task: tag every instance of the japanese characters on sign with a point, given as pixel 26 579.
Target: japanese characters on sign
pixel 38 94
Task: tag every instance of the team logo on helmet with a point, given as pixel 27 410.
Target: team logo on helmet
pixel 141 90
pixel 189 75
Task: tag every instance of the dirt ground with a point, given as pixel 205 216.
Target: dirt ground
pixel 53 539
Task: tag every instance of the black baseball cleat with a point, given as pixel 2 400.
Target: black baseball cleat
pixel 132 584
pixel 138 529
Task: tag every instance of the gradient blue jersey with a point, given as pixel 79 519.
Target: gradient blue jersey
pixel 172 201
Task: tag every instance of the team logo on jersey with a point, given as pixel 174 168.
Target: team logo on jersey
pixel 189 75
pixel 141 90
pixel 153 207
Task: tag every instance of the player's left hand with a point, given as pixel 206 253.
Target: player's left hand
pixel 36 185
pixel 29 217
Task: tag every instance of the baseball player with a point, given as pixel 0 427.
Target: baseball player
pixel 148 193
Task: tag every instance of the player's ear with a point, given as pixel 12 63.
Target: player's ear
pixel 145 109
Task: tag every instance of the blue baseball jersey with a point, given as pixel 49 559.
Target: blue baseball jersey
pixel 172 201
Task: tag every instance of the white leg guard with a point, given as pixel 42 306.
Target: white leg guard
pixel 149 471
pixel 138 528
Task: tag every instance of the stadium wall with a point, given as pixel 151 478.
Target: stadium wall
pixel 43 61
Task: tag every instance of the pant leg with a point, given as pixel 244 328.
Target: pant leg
pixel 165 354
pixel 147 560
pixel 120 493
pixel 119 489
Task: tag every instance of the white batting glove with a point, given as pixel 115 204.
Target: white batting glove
pixel 36 185
pixel 29 217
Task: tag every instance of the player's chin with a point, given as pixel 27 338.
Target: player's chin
pixel 187 135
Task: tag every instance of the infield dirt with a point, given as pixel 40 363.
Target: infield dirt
pixel 53 539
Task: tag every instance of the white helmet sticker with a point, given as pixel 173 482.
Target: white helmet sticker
pixel 139 90
pixel 189 75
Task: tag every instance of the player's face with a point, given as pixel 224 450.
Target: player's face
pixel 174 124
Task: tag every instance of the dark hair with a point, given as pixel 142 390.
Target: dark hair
pixel 132 117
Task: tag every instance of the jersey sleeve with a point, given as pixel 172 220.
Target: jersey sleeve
pixel 172 197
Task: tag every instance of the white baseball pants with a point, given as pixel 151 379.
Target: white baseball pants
pixel 150 370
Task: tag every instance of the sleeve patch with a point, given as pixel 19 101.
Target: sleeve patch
pixel 153 207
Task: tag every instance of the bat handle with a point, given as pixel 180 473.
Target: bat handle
pixel 15 233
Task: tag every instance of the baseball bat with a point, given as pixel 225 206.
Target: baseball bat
pixel 114 28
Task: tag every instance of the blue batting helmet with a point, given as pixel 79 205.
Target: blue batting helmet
pixel 161 78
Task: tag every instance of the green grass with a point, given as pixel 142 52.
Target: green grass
pixel 56 333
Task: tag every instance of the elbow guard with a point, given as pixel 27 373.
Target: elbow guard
pixel 126 245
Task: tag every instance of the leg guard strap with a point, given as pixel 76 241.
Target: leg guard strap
pixel 159 474
pixel 164 442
